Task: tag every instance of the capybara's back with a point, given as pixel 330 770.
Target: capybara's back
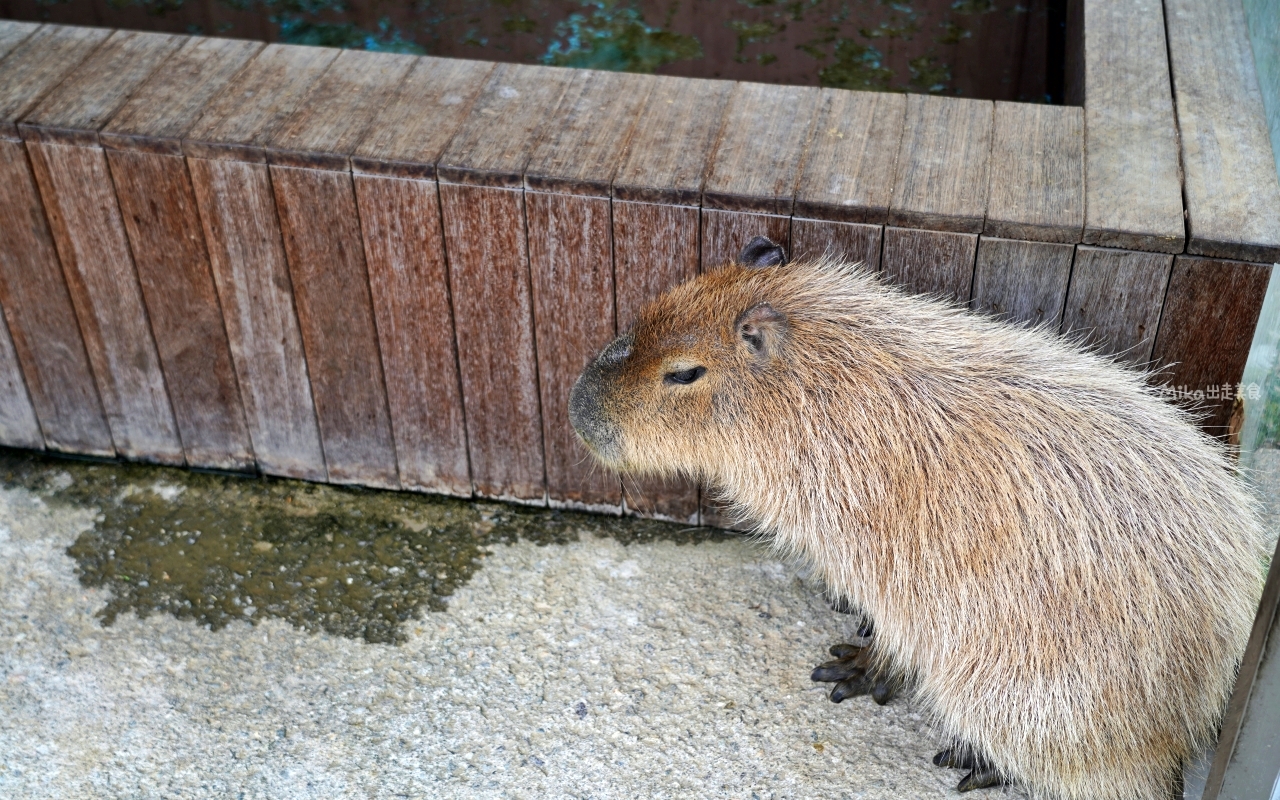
pixel 1065 566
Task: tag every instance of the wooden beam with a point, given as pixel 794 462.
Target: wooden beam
pixel 309 155
pixel 226 155
pixel 88 231
pixel 1037 173
pixel 1114 301
pixel 33 289
pixel 942 167
pixel 395 166
pixel 1022 281
pixel 14 33
pixel 568 182
pixel 1230 184
pixel 143 142
pixel 1133 194
pixel 656 232
pixel 1206 329
pixel 482 177
pixel 849 169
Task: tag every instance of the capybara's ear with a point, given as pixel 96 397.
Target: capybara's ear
pixel 762 329
pixel 762 252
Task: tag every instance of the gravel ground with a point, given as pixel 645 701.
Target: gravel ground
pixel 586 669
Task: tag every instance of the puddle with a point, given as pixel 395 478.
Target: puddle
pixel 348 561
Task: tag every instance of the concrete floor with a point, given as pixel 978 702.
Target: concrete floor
pixel 607 660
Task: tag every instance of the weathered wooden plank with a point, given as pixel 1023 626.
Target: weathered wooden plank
pixel 335 312
pixel 579 150
pixel 1022 281
pixel 408 277
pixel 849 170
pixel 1206 329
pixel 337 112
pixel 46 334
pixel 163 224
pixel 409 133
pixel 1133 195
pixel 238 123
pixel 162 110
pixel 847 241
pixel 1037 173
pixel 762 143
pixel 570 249
pixel 725 233
pixel 1230 185
pixel 495 141
pixel 570 263
pixel 39 64
pixel 14 33
pixel 1114 300
pixel 246 251
pixel 930 262
pixel 655 248
pixel 489 283
pixel 18 425
pixel 89 234
pixel 673 141
pixel 82 104
pixel 941 178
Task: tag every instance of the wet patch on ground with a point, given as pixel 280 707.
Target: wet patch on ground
pixel 356 562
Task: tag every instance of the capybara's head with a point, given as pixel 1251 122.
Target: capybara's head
pixel 663 397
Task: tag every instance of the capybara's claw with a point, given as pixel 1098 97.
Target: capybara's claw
pixel 843 651
pixel 855 686
pixel 983 776
pixel 957 757
pixel 886 688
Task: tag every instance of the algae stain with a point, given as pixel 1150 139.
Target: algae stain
pixel 215 548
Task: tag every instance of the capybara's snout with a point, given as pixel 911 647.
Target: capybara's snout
pixel 589 400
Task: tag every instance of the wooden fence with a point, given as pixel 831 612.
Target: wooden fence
pixel 388 270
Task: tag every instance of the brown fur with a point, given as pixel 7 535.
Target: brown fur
pixel 1065 565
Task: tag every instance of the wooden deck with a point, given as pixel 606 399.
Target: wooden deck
pixel 387 270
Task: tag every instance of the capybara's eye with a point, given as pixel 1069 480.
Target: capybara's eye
pixel 686 376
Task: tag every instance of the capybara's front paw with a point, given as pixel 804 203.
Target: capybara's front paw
pixel 854 673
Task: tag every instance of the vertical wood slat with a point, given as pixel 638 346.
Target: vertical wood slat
pixel 1114 300
pixel 246 252
pixel 481 177
pixel 315 196
pixel 33 290
pixel 1020 281
pixel 656 248
pixel 751 185
pixel 144 151
pixel 847 241
pixel 399 208
pixel 567 183
pixel 845 188
pixel 1206 329
pixel 1222 133
pixel 939 195
pixel 226 157
pixel 656 226
pixel 88 230
pixel 1037 173
pixel 1133 192
pixel 930 262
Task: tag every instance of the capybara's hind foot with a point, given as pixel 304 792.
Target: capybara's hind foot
pixel 854 674
pixel 981 774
